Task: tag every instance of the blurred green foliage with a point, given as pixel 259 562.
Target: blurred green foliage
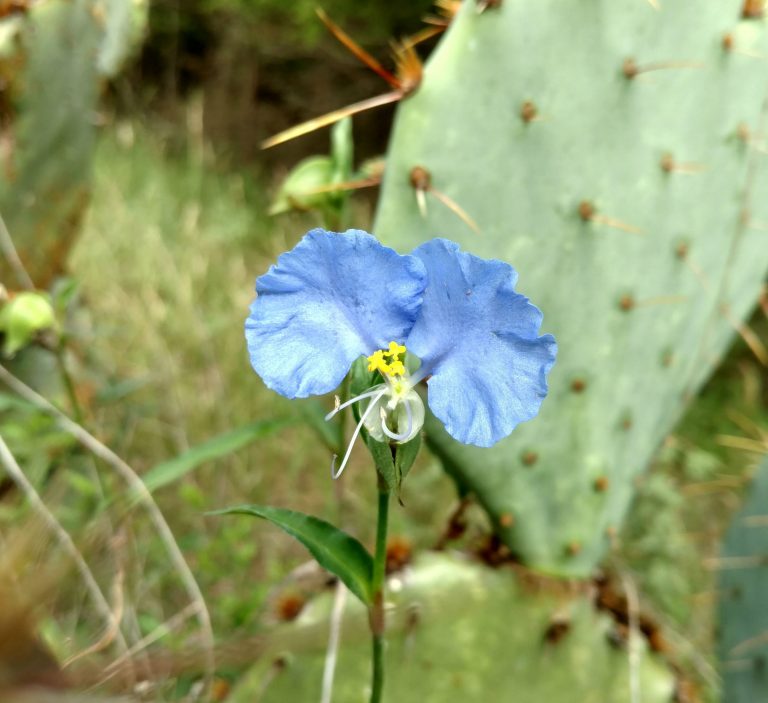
pixel 310 184
pixel 373 21
pixel 185 35
pixel 165 269
pixel 166 264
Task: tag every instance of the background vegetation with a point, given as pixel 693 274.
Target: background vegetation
pixel 153 363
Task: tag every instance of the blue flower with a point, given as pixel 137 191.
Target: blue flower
pixel 337 297
pixel 333 298
pixel 479 346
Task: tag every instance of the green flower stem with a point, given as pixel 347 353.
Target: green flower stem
pixel 377 684
pixel 376 614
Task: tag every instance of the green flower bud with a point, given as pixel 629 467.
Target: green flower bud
pixel 22 317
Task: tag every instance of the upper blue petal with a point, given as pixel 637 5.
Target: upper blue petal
pixel 479 340
pixel 331 299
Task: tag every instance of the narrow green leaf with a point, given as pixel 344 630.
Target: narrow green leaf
pixel 122 389
pixel 83 485
pixel 335 550
pixel 221 445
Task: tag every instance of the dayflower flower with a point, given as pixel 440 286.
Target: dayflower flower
pixel 337 297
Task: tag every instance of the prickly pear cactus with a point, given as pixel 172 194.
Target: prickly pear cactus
pixel 446 641
pixel 743 584
pixel 610 151
pixel 55 58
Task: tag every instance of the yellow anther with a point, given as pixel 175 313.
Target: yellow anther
pixel 376 362
pixel 395 350
pixel 393 367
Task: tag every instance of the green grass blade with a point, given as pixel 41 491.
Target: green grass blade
pixel 335 550
pixel 172 470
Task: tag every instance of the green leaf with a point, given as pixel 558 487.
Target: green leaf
pixel 221 445
pixel 335 550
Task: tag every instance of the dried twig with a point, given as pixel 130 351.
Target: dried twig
pixel 159 632
pixel 112 630
pixel 12 256
pixel 104 453
pixel 633 644
pixel 118 609
pixel 331 655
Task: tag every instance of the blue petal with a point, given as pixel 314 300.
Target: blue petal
pixel 331 299
pixel 479 340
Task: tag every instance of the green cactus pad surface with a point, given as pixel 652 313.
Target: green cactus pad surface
pixel 462 631
pixel 742 589
pixel 612 153
pixel 66 47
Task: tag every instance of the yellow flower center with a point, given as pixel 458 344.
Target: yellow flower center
pixel 393 411
pixel 388 362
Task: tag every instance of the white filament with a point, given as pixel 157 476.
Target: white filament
pixel 378 396
pixel 362 396
pixel 394 435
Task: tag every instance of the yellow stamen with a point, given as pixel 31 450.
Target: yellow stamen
pixel 376 362
pixel 395 350
pixel 394 367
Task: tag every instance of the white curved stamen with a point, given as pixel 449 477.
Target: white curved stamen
pixel 362 396
pixel 404 435
pixel 377 397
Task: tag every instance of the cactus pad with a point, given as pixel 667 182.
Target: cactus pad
pixel 611 152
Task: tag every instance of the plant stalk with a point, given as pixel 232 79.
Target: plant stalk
pixel 376 613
